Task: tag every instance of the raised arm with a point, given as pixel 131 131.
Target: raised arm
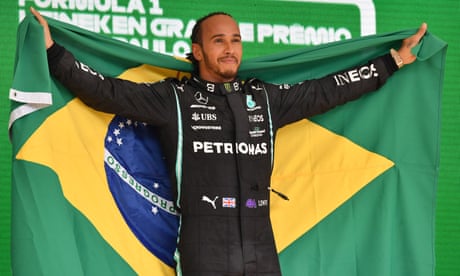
pixel 48 39
pixel 147 102
pixel 313 97
pixel 404 55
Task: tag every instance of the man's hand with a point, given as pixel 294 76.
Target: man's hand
pixel 405 51
pixel 48 40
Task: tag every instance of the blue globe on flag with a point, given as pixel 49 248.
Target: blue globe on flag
pixel 139 183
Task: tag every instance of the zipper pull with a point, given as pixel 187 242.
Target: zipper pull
pixel 283 196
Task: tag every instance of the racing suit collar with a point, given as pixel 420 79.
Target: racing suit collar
pixel 218 88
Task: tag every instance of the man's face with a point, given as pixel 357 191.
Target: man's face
pixel 220 51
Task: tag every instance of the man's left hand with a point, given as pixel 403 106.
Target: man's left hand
pixel 405 52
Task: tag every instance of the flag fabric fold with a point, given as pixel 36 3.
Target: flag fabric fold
pixel 91 196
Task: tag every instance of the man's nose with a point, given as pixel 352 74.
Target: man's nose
pixel 228 47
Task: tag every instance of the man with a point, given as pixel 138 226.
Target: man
pixel 220 164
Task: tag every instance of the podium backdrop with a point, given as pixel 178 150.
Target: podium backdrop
pixel 267 27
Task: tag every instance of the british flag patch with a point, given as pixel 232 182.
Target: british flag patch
pixel 229 202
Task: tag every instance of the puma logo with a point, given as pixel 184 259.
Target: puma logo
pixel 208 200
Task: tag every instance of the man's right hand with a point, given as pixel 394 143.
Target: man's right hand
pixel 48 40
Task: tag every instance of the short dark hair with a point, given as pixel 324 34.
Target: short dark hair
pixel 197 38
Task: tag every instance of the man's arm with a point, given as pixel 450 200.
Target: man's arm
pixel 405 51
pixel 48 39
pixel 144 102
pixel 313 97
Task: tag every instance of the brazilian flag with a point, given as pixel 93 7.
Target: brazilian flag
pixel 91 194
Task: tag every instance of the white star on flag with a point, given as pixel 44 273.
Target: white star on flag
pixel 119 141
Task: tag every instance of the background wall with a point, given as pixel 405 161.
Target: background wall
pixel 267 27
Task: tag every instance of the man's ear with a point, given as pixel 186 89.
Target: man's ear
pixel 197 51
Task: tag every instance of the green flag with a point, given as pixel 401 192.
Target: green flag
pixel 361 178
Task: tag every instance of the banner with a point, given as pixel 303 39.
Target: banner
pixel 89 199
pixel 165 26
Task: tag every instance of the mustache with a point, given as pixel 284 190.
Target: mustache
pixel 229 56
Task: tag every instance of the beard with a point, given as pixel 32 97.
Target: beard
pixel 228 73
pixel 222 70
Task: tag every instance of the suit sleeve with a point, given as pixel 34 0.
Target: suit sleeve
pixel 313 97
pixel 146 102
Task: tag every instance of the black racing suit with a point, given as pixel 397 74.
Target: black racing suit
pixel 218 139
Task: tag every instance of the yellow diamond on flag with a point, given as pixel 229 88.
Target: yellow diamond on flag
pixel 318 170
